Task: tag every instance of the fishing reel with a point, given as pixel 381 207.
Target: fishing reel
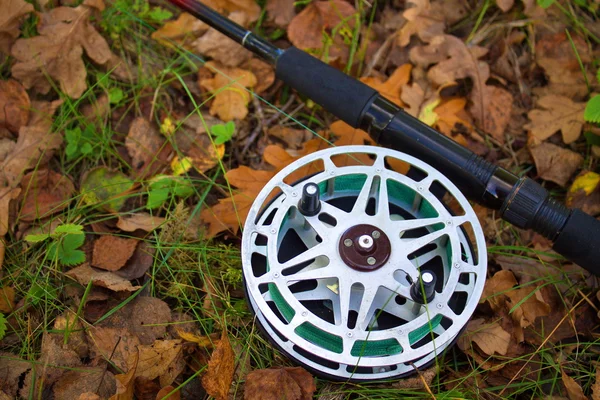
pixel 357 271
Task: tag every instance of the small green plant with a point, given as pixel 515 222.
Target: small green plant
pixel 79 143
pixel 2 326
pixel 66 240
pixel 162 187
pixel 223 132
pixel 119 17
pixel 592 110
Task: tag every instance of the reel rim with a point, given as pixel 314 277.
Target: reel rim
pixel 252 229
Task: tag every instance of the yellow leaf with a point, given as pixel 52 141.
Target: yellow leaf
pixel 428 115
pixel 167 127
pixel 587 182
pixel 181 166
pixel 202 341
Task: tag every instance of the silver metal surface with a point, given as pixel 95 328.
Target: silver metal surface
pixel 366 294
pixel 365 241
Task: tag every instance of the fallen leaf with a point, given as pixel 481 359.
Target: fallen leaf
pixel 505 5
pixel 422 20
pixel 248 7
pixel 392 87
pixel 181 32
pixel 137 265
pixel 489 336
pixel 221 366
pixel 7 299
pixel 12 368
pixel 553 163
pixel 35 142
pixel 89 396
pixel 574 390
pixel 112 252
pixel 105 188
pixel 496 288
pixel 163 360
pixel 264 73
pixel 279 383
pixel 498 104
pixel 68 322
pixel 44 193
pixel 119 345
pixel 140 220
pixel 7 194
pixel 75 383
pixel 13 12
pixel 168 393
pixel 584 193
pixel 14 104
pixel 447 115
pixel 230 95
pixel 201 341
pixel 293 138
pixel 220 48
pixel 192 140
pixel 84 274
pixel 125 382
pixel 64 34
pixel 308 29
pixel 554 113
pixel 555 54
pixel 148 318
pixel 527 303
pixel 143 143
pixel 281 12
pixel 596 386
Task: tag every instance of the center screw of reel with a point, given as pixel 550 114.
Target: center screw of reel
pixel 364 248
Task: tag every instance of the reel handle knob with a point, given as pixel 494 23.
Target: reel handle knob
pixel 423 290
pixel 310 202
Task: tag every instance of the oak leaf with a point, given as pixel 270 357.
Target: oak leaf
pixel 143 143
pixel 141 220
pixel 311 29
pixel 229 86
pixel 14 105
pixel 392 87
pixel 182 31
pixel 221 367
pixel 279 383
pixel 12 14
pixel 553 163
pixel 112 252
pixel 119 345
pixel 64 34
pixel 489 336
pixel 554 113
pixel 496 288
pixel 281 12
pixel 249 7
pixel 163 360
pixel 220 48
pixel 527 303
pixel 422 20
pixel 125 382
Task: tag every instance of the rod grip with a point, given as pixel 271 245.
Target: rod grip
pixel 579 241
pixel 338 93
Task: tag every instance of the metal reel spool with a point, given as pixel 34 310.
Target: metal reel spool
pixel 375 279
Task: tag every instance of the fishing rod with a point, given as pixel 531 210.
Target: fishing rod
pixel 358 272
pixel 519 201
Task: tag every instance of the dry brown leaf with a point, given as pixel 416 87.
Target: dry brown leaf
pixel 553 163
pixel 44 192
pixel 448 114
pixel 112 252
pixel 163 360
pixel 505 5
pixel 143 142
pixel 75 383
pixel 279 383
pixel 527 304
pixel 555 54
pixel 574 390
pixel 7 194
pixel 148 319
pixel 141 260
pixel 498 104
pixel 422 20
pixel 14 105
pixel 192 140
pixel 307 28
pixel 220 48
pixel 496 288
pixel 118 345
pixel 392 87
pixel 69 322
pixel 596 385
pixel 125 382
pixel 554 113
pixel 221 366
pixel 12 369
pixel 229 87
pixel 89 396
pixel 181 32
pixel 13 12
pixel 141 220
pixel 264 73
pixel 281 12
pixel 84 274
pixel 7 299
pixel 34 143
pixel 293 138
pixel 248 7
pixel 64 33
pixel 489 336
pixel 165 394
pixel 584 193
